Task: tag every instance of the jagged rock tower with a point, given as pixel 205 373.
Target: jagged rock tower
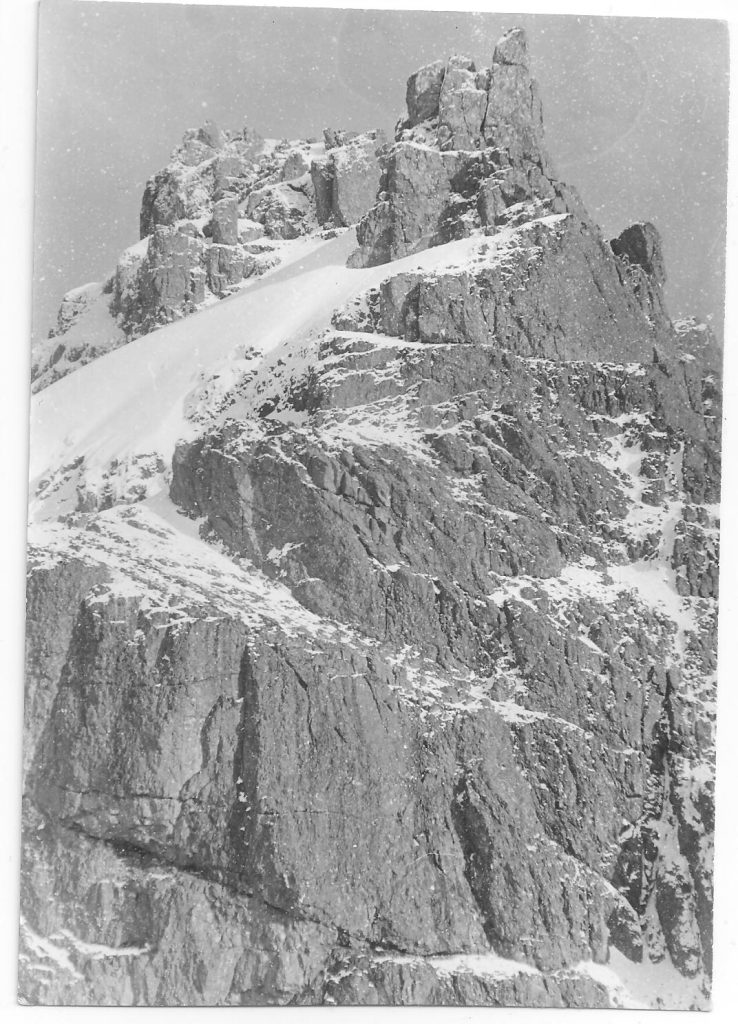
pixel 418 704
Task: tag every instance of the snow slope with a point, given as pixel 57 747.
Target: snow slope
pixel 133 400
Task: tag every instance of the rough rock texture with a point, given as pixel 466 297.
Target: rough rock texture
pixel 640 244
pixel 461 108
pixel 468 155
pixel 219 189
pixel 207 162
pixel 225 268
pixel 171 278
pixel 224 225
pixel 347 178
pixel 514 299
pixel 282 208
pixel 514 120
pixel 409 695
pixel 424 91
pixel 85 329
pixel 407 980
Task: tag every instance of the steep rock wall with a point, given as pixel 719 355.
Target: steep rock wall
pixel 407 695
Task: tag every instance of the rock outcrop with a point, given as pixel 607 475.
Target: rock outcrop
pixel 469 154
pixel 201 218
pixel 514 299
pixel 405 694
pixel 346 179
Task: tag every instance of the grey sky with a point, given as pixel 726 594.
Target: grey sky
pixel 635 113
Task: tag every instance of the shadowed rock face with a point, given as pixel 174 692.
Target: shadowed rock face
pixel 427 714
pixel 424 92
pixel 640 245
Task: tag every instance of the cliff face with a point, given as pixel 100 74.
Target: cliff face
pixel 372 652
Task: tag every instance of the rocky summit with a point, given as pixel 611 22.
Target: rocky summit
pixel 372 612
pixel 216 216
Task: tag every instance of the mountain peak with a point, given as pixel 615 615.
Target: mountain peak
pixel 372 613
pixel 468 154
pixel 453 105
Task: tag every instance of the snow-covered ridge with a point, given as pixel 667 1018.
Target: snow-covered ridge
pixel 222 212
pixel 133 401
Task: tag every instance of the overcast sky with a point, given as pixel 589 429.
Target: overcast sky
pixel 635 113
